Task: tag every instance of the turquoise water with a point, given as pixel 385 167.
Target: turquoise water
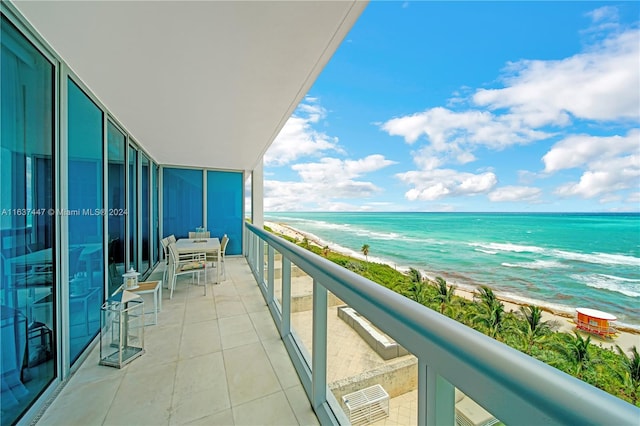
pixel 560 260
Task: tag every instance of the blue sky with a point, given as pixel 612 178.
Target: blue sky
pixel 470 106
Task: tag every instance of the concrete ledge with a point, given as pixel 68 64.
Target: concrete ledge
pixel 396 378
pixel 305 303
pixel 382 344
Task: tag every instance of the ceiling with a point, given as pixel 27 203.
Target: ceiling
pixel 202 83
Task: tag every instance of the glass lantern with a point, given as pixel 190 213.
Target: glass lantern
pixel 201 233
pixel 122 329
pixel 130 279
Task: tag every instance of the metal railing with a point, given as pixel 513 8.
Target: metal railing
pixel 513 387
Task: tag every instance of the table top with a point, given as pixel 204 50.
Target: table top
pixel 188 245
pixel 146 286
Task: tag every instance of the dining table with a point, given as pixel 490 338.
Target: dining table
pixel 209 246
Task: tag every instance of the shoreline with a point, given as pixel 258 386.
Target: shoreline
pixel 628 335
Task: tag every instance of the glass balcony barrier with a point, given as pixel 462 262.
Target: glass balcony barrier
pixel 442 372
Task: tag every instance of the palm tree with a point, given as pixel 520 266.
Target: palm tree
pixel 630 375
pixel 417 290
pixel 305 243
pixel 491 312
pixel 415 276
pixel 445 294
pixel 532 329
pixel 487 296
pixel 491 318
pixel 365 251
pixel 325 251
pixel 576 351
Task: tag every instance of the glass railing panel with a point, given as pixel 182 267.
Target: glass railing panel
pixel 265 262
pixel 277 278
pixel 372 377
pixel 302 309
pixel 469 412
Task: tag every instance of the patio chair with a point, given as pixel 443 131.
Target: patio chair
pixel 194 235
pixel 213 257
pixel 165 251
pixel 190 263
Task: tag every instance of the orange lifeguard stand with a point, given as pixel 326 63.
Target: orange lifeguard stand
pixel 596 322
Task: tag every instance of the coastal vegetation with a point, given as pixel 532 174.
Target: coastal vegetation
pixel 614 371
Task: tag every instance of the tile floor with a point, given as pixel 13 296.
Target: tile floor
pixel 211 360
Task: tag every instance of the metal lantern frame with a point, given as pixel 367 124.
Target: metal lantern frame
pixel 122 329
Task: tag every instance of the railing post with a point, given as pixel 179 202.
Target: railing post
pixel 250 248
pixel 440 399
pixel 270 275
pixel 319 346
pixel 286 297
pixel 422 391
pixel 260 263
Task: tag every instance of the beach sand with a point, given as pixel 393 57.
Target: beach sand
pixel 627 338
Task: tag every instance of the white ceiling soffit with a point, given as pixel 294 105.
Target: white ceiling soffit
pixel 202 83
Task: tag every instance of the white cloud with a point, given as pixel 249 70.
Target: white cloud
pixel 604 177
pixel 579 150
pixel 602 83
pixel 431 185
pixel 323 183
pixel 515 193
pixel 298 138
pixel 610 164
pixel 336 170
pixel 605 13
pixel 447 130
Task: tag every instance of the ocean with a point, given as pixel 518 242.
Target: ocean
pixel 559 260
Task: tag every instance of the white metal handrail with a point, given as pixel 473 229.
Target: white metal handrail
pixel 515 388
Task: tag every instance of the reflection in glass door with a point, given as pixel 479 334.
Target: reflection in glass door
pixel 132 212
pixel 145 211
pixel 27 257
pixel 86 264
pixel 116 208
pixel 154 205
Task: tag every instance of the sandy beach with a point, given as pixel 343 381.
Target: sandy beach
pixel 626 339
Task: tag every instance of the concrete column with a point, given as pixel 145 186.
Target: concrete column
pixel 257 196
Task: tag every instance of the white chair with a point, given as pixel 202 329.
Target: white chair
pixel 213 257
pixel 182 264
pixel 194 235
pixel 165 251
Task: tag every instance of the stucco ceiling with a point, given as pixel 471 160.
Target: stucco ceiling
pixel 202 83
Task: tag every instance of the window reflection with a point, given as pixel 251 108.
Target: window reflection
pixel 182 201
pixel 224 207
pixel 144 210
pixel 116 207
pixel 132 210
pixel 155 231
pixel 27 296
pixel 86 265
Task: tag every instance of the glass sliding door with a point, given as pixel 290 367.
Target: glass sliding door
pixel 85 260
pixel 181 201
pixel 154 203
pixel 144 212
pixel 132 213
pixel 116 209
pixel 28 295
pixel 224 207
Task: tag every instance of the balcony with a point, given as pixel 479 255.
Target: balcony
pixel 232 358
pixel 215 359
